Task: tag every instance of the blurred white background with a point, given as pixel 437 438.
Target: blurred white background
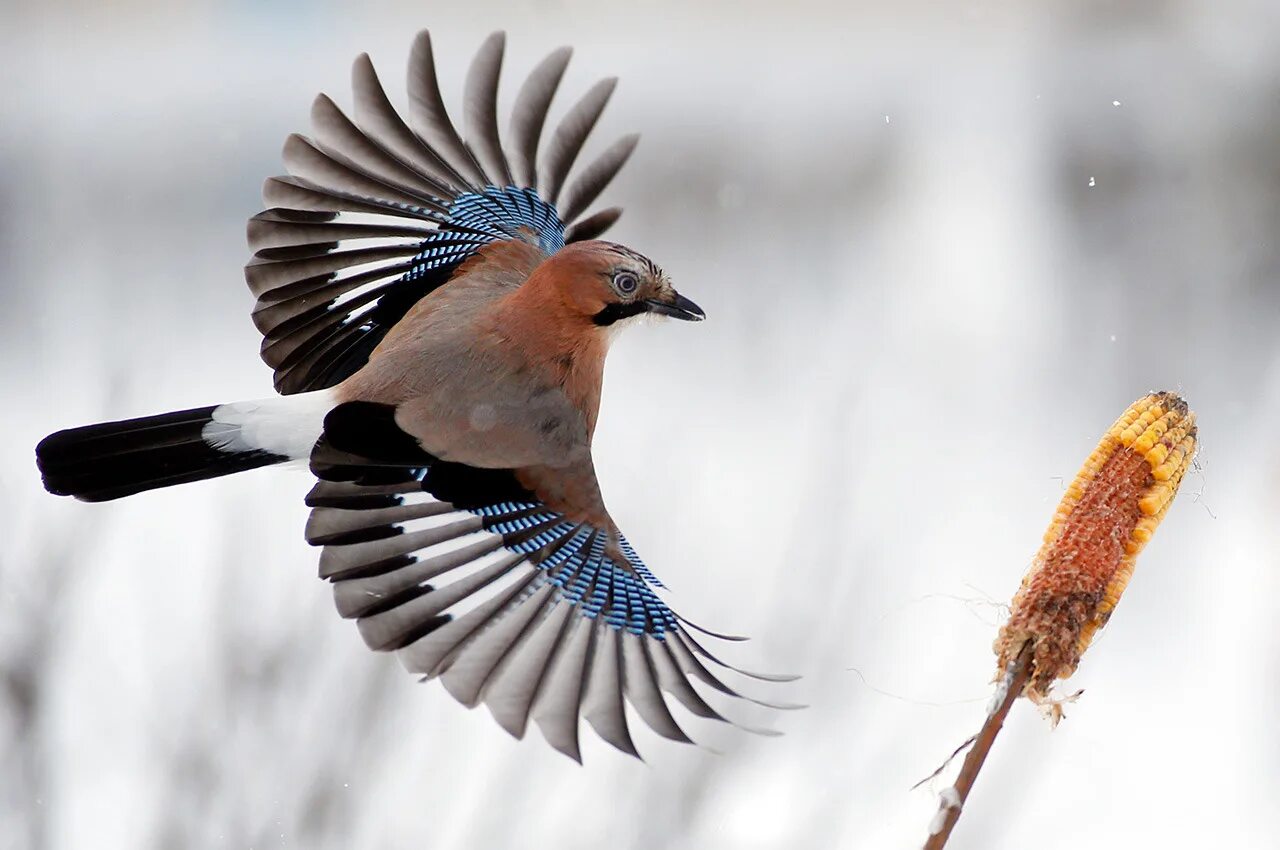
pixel 942 246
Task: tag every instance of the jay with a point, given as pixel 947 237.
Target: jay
pixel 437 311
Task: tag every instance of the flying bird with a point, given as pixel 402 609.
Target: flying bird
pixel 437 310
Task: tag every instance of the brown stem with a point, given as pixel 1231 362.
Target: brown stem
pixel 953 799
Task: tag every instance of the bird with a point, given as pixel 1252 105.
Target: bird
pixel 437 309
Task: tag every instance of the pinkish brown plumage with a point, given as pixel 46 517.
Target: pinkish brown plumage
pixel 512 351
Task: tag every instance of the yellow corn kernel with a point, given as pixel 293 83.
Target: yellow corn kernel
pixel 1107 515
pixel 1157 454
pixel 1151 503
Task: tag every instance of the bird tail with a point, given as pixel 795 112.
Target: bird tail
pixel 110 460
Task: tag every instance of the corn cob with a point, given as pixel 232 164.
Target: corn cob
pixel 1106 517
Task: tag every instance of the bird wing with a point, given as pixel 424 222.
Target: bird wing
pixel 475 579
pixel 376 212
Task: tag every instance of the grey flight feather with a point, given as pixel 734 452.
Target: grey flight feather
pixel 387 629
pixel 329 494
pixel 265 275
pixel 273 229
pixel 569 136
pixel 558 703
pixel 285 344
pixel 300 195
pixel 593 225
pixel 481 99
pixel 764 677
pixel 642 690
pixel 466 675
pixel 602 704
pixel 433 654
pixel 430 120
pixel 325 524
pixel 307 162
pixel 361 596
pixel 375 115
pixel 592 180
pixel 509 695
pixel 341 559
pixel 530 114
pixel 691 666
pixel 341 139
pixel 673 681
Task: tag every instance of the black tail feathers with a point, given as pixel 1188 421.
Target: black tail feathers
pixel 97 463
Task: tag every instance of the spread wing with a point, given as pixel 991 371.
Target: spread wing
pixel 376 212
pixel 473 579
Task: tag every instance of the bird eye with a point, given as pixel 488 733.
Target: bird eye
pixel 625 282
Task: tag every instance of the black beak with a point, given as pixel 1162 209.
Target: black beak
pixel 678 307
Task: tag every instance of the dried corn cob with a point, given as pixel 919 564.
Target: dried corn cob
pixel 1105 518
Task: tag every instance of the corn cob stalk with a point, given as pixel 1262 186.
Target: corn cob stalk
pixel 1106 517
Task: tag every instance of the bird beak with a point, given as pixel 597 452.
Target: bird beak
pixel 677 307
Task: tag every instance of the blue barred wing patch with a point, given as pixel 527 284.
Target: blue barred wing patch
pixel 490 215
pixel 575 560
pixel 501 211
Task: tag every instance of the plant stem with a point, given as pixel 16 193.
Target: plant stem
pixel 953 798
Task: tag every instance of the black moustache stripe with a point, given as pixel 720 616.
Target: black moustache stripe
pixel 617 312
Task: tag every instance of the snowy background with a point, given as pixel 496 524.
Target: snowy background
pixel 942 247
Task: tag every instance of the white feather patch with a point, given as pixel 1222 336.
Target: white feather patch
pixel 284 425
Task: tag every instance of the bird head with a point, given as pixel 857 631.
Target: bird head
pixel 609 284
